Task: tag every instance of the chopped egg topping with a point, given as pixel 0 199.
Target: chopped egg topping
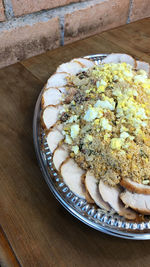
pixel 108 115
pixel 74 130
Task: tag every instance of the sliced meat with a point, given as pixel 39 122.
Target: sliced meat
pixel 50 116
pixel 53 139
pixel 92 187
pixel 72 176
pixel 135 187
pixel 138 202
pixel 62 89
pixel 70 67
pixel 59 127
pixel 143 65
pixel 51 96
pixel 111 195
pixel 119 58
pixel 57 80
pixel 87 63
pixel 59 156
pixel 87 195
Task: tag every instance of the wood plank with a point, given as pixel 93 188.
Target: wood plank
pixel 134 38
pixel 7 256
pixel 44 65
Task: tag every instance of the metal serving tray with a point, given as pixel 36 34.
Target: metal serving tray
pixel 101 220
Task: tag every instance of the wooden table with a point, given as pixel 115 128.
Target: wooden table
pixel 35 229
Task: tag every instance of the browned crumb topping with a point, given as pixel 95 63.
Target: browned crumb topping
pixel 106 122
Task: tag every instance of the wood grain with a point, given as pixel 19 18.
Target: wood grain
pixel 39 230
pixel 7 256
pixel 43 66
pixel 134 38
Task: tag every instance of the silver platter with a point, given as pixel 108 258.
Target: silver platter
pixel 106 222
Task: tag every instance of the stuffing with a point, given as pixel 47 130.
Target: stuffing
pixel 106 122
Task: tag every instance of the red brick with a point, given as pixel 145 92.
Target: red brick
pixel 140 10
pixel 2 16
pixel 23 42
pixel 29 6
pixel 95 19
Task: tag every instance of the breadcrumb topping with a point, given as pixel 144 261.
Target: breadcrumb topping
pixel 106 122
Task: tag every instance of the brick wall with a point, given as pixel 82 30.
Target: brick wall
pixel 31 27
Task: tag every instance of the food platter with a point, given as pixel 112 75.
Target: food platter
pixel 99 219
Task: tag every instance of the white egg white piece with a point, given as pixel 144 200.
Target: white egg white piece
pixel 120 58
pixel 138 202
pixel 53 138
pixel 59 156
pixel 111 195
pixel 85 62
pixel 143 65
pixel 51 96
pixel 50 116
pixel 135 187
pixel 92 187
pixel 70 67
pixel 72 176
pixel 57 80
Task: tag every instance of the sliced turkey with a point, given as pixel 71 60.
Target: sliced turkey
pixel 51 96
pixel 85 62
pixel 59 127
pixel 57 80
pixel 138 202
pixel 53 138
pixel 111 195
pixel 87 195
pixel 92 187
pixel 120 58
pixel 62 89
pixel 59 156
pixel 72 176
pixel 70 67
pixel 50 116
pixel 143 65
pixel 135 187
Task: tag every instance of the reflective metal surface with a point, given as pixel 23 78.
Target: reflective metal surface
pixel 107 222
